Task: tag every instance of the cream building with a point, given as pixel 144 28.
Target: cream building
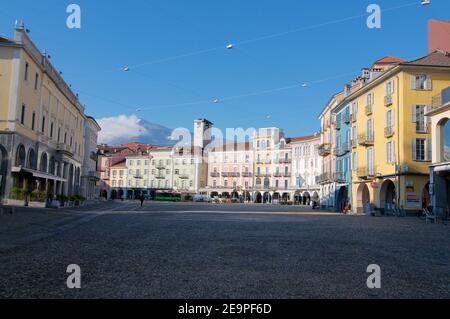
pixel 42 126
pixel 440 168
pixel 90 172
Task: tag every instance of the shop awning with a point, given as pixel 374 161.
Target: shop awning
pixel 38 174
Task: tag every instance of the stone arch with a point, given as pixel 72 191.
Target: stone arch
pixel 31 159
pixel 258 198
pixel 388 195
pixel 306 198
pixel 43 162
pixel 363 198
pixel 3 169
pixel 21 156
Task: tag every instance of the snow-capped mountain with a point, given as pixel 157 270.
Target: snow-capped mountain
pixel 123 129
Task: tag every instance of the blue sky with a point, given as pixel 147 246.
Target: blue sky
pixel 115 34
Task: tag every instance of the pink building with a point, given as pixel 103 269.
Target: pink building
pixel 230 171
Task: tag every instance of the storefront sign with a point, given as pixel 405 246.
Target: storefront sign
pixel 413 200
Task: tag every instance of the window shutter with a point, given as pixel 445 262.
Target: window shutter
pixel 392 87
pixel 414 113
pixel 387 153
pixel 428 109
pixel 393 152
pixel 429 150
pixel 428 83
pixel 414 153
pixel 413 82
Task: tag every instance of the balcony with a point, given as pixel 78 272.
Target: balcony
pixel 388 100
pixel 388 131
pixel 285 161
pixel 339 177
pixel 342 150
pixel 354 117
pixel 278 174
pixel 366 139
pixel 183 176
pixel 160 176
pixel 369 110
pixel 324 178
pixel 366 172
pixel 215 174
pixel 337 125
pixel 65 149
pixel 346 118
pixel 354 143
pixel 227 174
pixel 260 175
pixel 287 175
pixel 94 175
pixel 325 149
pixel 138 176
pixel 160 166
pixel 247 174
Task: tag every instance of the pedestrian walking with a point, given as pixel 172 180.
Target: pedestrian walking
pixel 142 198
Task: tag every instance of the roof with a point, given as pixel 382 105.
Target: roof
pixel 437 58
pixel 5 40
pixel 120 164
pixel 136 145
pixel 237 146
pixel 304 138
pixel 389 60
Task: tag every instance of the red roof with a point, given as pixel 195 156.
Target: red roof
pixel 388 60
pixel 437 58
pixel 304 138
pixel 136 145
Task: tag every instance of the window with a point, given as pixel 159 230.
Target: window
pixel 36 81
pixel 131 163
pixel 389 88
pixel 51 130
pixel 286 184
pixel 421 149
pixel 27 67
pixel 354 161
pixel 33 118
pixel 370 162
pixel 43 125
pixel 390 152
pixel 418 117
pixel 421 82
pixel 369 129
pixel 22 116
pixel 369 99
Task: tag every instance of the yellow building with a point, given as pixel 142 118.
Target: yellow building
pixel 391 136
pixel 41 126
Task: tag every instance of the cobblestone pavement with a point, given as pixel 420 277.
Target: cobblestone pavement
pixel 219 251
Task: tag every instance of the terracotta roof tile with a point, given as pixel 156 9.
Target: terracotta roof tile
pixel 436 58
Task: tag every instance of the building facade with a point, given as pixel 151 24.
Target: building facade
pixel 391 160
pixel 306 168
pixel 440 167
pixel 41 126
pixel 90 175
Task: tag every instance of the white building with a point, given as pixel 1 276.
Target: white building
pixel 306 168
pixel 90 174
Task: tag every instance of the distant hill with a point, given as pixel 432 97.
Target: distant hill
pixel 123 129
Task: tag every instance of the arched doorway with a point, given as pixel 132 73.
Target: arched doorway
pixel 363 199
pixel 43 165
pixel 20 156
pixel 276 197
pixel 306 198
pixel 426 199
pixel 214 194
pixel 3 170
pixel 226 195
pixel 342 198
pixel 258 198
pixel 121 193
pixel 316 198
pixel 298 198
pixel 247 196
pixel 235 195
pixel 388 196
pixel 267 199
pixel 285 198
pixel 31 159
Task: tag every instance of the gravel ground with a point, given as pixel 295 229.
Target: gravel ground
pixel 225 251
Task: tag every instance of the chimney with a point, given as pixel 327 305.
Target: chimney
pixel 438 35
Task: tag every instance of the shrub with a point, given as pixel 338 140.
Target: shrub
pixel 62 198
pixel 17 193
pixel 38 196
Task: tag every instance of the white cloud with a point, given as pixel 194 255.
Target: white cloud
pixel 120 129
